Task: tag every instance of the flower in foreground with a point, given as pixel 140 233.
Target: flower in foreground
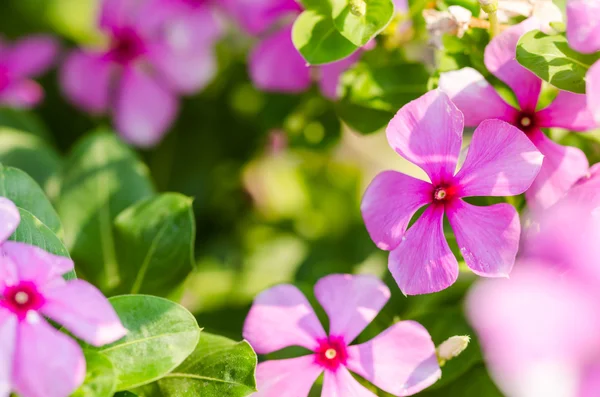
pixel 401 360
pixel 157 50
pixel 37 360
pixel 19 62
pixel 479 101
pixel 501 162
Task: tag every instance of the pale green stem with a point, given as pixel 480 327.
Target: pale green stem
pixel 494 25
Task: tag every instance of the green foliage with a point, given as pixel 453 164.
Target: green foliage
pixel 359 20
pixel 100 379
pixel 551 59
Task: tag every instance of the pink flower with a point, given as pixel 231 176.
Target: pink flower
pixel 401 360
pixel 501 162
pixel 19 62
pixel 158 50
pixel 37 360
pixel 478 100
pixel 539 330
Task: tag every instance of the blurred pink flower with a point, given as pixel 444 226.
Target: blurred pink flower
pixel 478 100
pixel 401 360
pixel 19 62
pixel 158 50
pixel 37 360
pixel 501 162
pixel 539 330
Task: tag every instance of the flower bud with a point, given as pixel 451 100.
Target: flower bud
pixel 489 5
pixel 452 347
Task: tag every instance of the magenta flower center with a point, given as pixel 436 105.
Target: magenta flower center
pixel 22 298
pixel 442 194
pixel 526 122
pixel 126 46
pixel 331 353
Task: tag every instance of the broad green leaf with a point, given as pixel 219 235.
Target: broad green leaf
pixel 23 120
pixel 100 379
pixel 322 6
pixel 219 367
pixel 361 20
pixel 161 335
pixel 155 244
pixel 475 383
pixel 101 177
pixel 551 59
pixel 317 39
pixel 373 94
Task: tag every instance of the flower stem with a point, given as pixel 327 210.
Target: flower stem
pixel 494 25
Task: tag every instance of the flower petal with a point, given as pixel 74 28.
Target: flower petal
pixel 475 97
pixel 401 360
pixel 389 203
pixel 85 80
pixel 48 363
pixel 9 218
pixel 341 384
pixel 488 237
pixel 583 28
pixel 501 161
pixel 144 109
pixel 83 310
pixel 291 378
pixel 351 302
pixel 281 317
pixel 256 16
pixel 8 340
pixel 500 59
pixel 31 56
pixel 22 94
pixel 423 262
pixel 569 111
pixel 276 65
pixel 329 75
pixel 35 264
pixel 562 167
pixel 592 84
pixel 428 132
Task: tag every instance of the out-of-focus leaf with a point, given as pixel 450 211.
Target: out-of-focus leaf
pixel 373 94
pixel 474 383
pixel 101 178
pixel 359 20
pixel 23 120
pixel 162 334
pixel 471 5
pixel 100 379
pixel 552 60
pixel 317 39
pixel 126 393
pixel 155 244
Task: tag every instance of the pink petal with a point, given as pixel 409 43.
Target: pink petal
pixel 8 338
pixel 291 378
pixel 423 262
pixel 475 97
pixel 501 161
pixel 583 28
pixel 31 56
pixel 568 111
pixel 257 16
pixel 9 218
pixel 590 384
pixel 281 317
pixel 488 237
pixel 562 167
pixel 401 360
pixel 592 79
pixel 351 302
pixel 329 75
pixel 276 65
pixel 389 203
pixel 85 79
pixel 428 133
pixel 22 94
pixel 500 59
pixel 48 363
pixel 341 384
pixel 144 110
pixel 35 264
pixel 83 310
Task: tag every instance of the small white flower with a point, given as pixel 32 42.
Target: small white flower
pixel 454 21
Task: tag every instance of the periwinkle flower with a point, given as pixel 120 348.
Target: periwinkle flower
pixel 401 360
pixel 37 360
pixel 478 100
pixel 501 161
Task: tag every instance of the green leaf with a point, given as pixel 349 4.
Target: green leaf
pixel 161 335
pixel 219 367
pixel 155 243
pixel 551 59
pixel 101 178
pixel 126 393
pixel 373 94
pixel 23 120
pixel 475 383
pixel 317 39
pixel 361 20
pixel 100 380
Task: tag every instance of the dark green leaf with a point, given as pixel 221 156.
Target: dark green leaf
pixel 359 20
pixel 474 383
pixel 100 380
pixel 23 120
pixel 126 393
pixel 155 244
